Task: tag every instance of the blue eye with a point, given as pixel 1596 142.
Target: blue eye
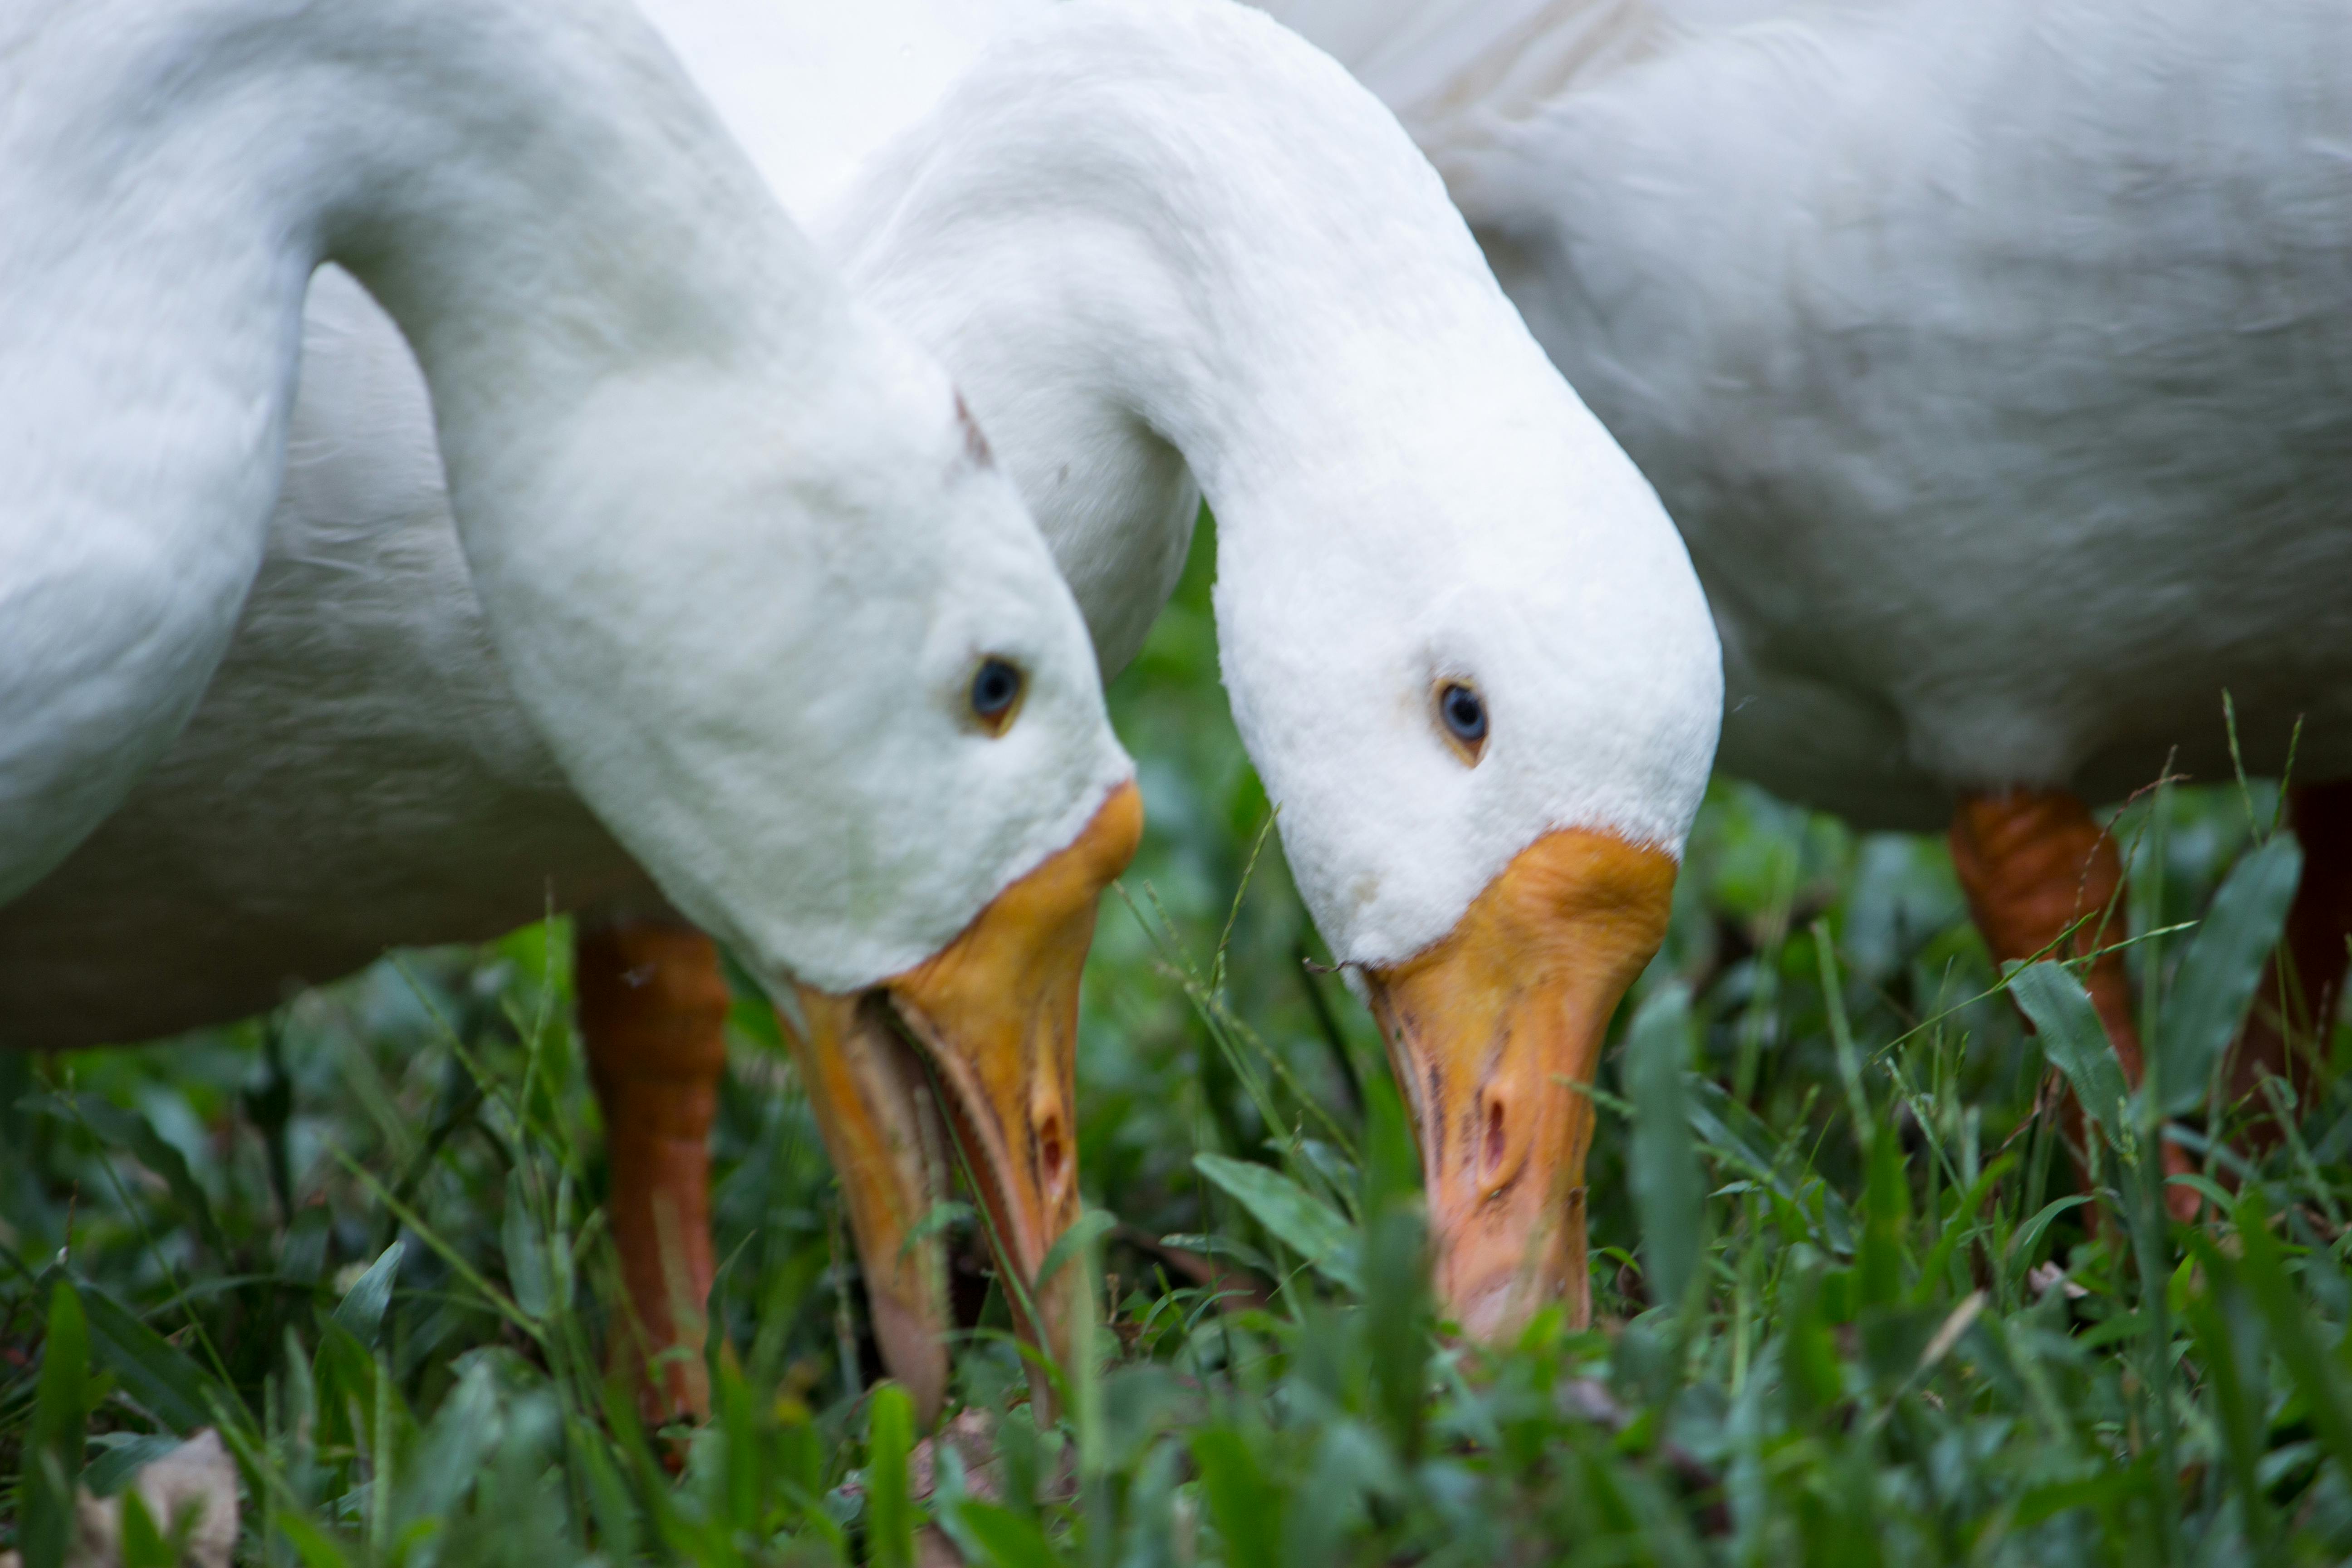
pixel 1464 713
pixel 995 691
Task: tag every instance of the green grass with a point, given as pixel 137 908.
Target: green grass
pixel 362 1238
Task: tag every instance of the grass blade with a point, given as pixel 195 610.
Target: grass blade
pixel 1245 1504
pixel 136 1136
pixel 53 1445
pixel 1885 1218
pixel 1961 1225
pixel 2074 1041
pixel 361 1307
pixel 1009 1540
pixel 143 1545
pixel 174 1389
pixel 1668 1193
pixel 1396 1316
pixel 2029 1234
pixel 1066 1246
pixel 1849 1060
pixel 2221 970
pixel 525 1249
pixel 2230 1357
pixel 890 1510
pixel 313 1545
pixel 2292 1333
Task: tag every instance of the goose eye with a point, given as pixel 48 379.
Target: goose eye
pixel 1463 713
pixel 996 689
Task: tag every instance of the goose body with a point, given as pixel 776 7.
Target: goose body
pixel 360 767
pixel 1994 360
pixel 1167 250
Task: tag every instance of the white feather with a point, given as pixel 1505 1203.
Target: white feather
pixel 728 555
pixel 1994 358
pixel 1154 242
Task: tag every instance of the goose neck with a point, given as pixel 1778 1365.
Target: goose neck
pixel 658 413
pixel 1181 218
pixel 531 191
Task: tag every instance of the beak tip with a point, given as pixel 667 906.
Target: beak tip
pixel 1493 1029
pixel 1495 1309
pixel 1486 1317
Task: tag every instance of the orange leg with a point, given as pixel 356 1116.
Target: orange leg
pixel 653 1008
pixel 2312 956
pixel 2033 863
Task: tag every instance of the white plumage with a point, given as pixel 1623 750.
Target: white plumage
pixel 1154 243
pixel 728 554
pixel 1994 359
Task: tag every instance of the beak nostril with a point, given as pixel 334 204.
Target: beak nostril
pixel 1049 1152
pixel 1491 1148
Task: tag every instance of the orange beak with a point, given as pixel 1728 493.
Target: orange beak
pixel 974 1048
pixel 1494 1032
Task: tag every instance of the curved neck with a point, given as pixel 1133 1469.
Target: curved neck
pixel 655 406
pixel 1180 224
pixel 1170 222
pixel 533 191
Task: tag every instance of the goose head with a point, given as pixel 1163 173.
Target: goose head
pixel 901 818
pixel 984 781
pixel 815 669
pixel 1162 243
pixel 1486 709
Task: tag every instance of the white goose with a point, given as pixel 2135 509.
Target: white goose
pixel 1158 243
pixel 755 582
pixel 1994 361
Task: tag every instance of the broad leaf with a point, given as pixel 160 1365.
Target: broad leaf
pixel 2074 1041
pixel 1735 1135
pixel 526 1249
pixel 361 1307
pixel 124 1455
pixel 2223 969
pixel 136 1136
pixel 1304 1223
pixel 150 1369
pixel 2029 1235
